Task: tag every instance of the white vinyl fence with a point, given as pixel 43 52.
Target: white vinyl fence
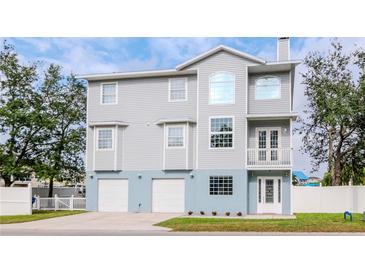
pixel 60 191
pixel 330 199
pixel 16 200
pixel 59 203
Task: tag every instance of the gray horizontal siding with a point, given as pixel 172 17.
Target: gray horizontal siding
pixel 141 102
pixel 281 105
pixel 222 158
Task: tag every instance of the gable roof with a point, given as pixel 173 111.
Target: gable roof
pixel 217 49
pixel 300 175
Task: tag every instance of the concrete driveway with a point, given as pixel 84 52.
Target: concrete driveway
pixel 91 223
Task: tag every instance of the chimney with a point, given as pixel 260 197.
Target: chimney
pixel 283 49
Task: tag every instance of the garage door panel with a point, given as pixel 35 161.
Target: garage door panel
pixel 113 195
pixel 168 195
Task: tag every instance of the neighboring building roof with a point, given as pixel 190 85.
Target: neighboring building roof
pixel 314 178
pixel 217 49
pixel 300 175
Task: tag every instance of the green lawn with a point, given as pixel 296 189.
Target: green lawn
pixel 305 222
pixel 37 215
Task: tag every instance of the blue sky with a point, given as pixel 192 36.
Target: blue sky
pixel 99 55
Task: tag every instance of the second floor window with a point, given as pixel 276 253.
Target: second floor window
pixel 109 94
pixel 268 88
pixel 222 88
pixel 175 137
pixel 221 132
pixel 177 89
pixel 105 139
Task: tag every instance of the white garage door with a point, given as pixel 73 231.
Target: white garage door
pixel 113 195
pixel 168 195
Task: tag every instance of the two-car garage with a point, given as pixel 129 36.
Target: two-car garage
pixel 168 195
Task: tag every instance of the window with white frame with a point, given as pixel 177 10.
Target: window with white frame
pixel 221 132
pixel 108 93
pixel 221 185
pixel 222 88
pixel 175 136
pixel 105 139
pixel 267 88
pixel 177 89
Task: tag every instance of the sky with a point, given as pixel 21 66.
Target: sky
pixel 103 55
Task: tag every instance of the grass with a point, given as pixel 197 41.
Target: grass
pixel 37 215
pixel 305 222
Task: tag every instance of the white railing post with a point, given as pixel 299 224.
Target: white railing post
pixel 56 202
pixel 38 201
pixel 72 202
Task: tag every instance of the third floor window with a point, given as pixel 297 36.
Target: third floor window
pixel 268 88
pixel 222 88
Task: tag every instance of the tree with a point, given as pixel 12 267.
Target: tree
pixel 66 104
pixel 333 129
pixel 42 121
pixel 22 118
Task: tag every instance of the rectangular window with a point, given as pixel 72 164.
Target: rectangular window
pixel 109 94
pixel 175 136
pixel 268 88
pixel 221 132
pixel 177 89
pixel 105 139
pixel 259 190
pixel 221 185
pixel 279 190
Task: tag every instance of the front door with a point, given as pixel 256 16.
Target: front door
pixel 269 195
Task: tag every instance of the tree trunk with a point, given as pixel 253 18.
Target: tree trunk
pixel 50 191
pixel 7 180
pixel 331 168
pixel 337 180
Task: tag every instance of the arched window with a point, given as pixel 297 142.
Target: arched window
pixel 221 88
pixel 267 88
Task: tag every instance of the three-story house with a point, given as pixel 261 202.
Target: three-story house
pixel 213 134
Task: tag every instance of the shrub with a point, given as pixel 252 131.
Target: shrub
pixel 202 213
pixel 214 213
pixel 239 214
pixel 228 213
pixel 190 213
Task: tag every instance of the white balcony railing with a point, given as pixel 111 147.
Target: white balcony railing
pixel 269 157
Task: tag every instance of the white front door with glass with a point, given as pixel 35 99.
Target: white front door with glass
pixel 268 141
pixel 269 195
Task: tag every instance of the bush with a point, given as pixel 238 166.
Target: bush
pixel 228 213
pixel 214 213
pixel 202 213
pixel 190 213
pixel 239 213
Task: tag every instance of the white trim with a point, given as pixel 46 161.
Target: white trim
pixel 94 148
pixel 263 178
pixel 167 136
pixel 281 116
pixel 246 90
pixel 233 132
pixel 264 77
pixel 116 148
pixel 234 88
pixel 123 149
pixel 291 140
pixel 197 122
pixel 101 93
pixel 164 149
pixel 187 147
pixel 291 191
pixel 267 129
pixel 290 91
pixel 135 74
pixel 87 129
pixel 97 139
pixel 217 49
pixel 186 90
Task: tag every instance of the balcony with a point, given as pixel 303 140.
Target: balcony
pixel 273 158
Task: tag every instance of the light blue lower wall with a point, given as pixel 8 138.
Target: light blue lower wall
pixel 252 186
pixel 197 198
